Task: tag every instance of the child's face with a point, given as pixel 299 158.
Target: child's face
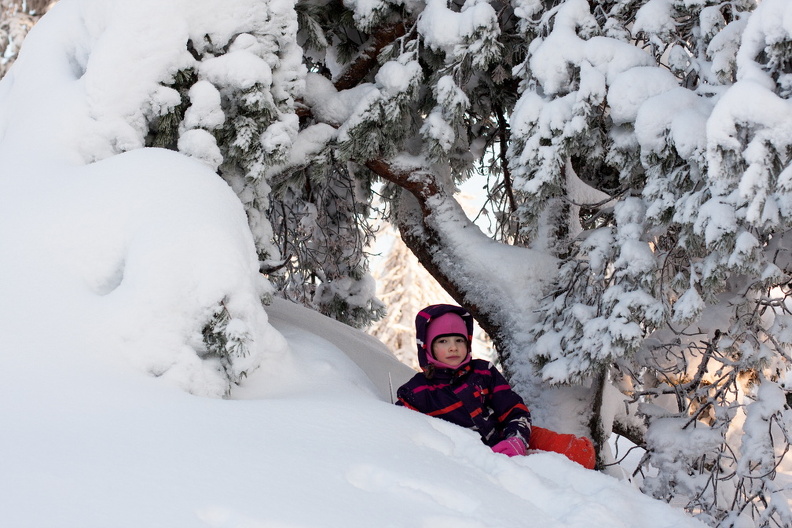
pixel 451 350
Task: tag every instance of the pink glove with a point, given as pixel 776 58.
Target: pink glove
pixel 510 447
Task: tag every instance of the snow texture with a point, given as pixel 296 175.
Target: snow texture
pixel 114 258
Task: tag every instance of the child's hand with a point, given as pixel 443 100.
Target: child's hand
pixel 510 447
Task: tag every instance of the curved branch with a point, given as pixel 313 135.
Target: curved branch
pixel 503 133
pixel 359 68
pixel 419 183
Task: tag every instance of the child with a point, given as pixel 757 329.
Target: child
pixel 472 392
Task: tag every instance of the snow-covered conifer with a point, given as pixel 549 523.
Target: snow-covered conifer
pixel 682 293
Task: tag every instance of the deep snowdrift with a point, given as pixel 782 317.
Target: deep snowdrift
pixel 308 441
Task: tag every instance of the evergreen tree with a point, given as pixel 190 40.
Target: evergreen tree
pixel 678 291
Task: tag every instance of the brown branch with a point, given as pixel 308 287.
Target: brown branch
pixel 503 132
pixel 420 184
pixel 359 68
pixel 631 432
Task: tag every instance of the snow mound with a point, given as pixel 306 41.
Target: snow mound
pixel 305 441
pixel 127 259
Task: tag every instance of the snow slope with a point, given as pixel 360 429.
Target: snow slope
pixel 307 441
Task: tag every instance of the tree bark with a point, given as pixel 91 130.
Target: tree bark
pixel 362 66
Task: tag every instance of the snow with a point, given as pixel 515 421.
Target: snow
pixel 655 18
pixel 632 88
pixel 553 57
pixel 307 440
pixel 435 127
pixel 240 69
pixel 127 244
pixel 768 25
pixel 330 105
pixel 688 306
pixel 205 110
pixel 112 264
pixel 201 145
pixel 396 78
pixel 444 29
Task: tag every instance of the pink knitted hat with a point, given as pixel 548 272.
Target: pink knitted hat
pixel 447 324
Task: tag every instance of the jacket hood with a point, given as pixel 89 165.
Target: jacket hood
pixel 426 316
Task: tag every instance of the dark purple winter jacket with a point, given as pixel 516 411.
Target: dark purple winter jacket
pixel 474 395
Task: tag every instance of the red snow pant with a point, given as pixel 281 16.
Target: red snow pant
pixel 576 448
